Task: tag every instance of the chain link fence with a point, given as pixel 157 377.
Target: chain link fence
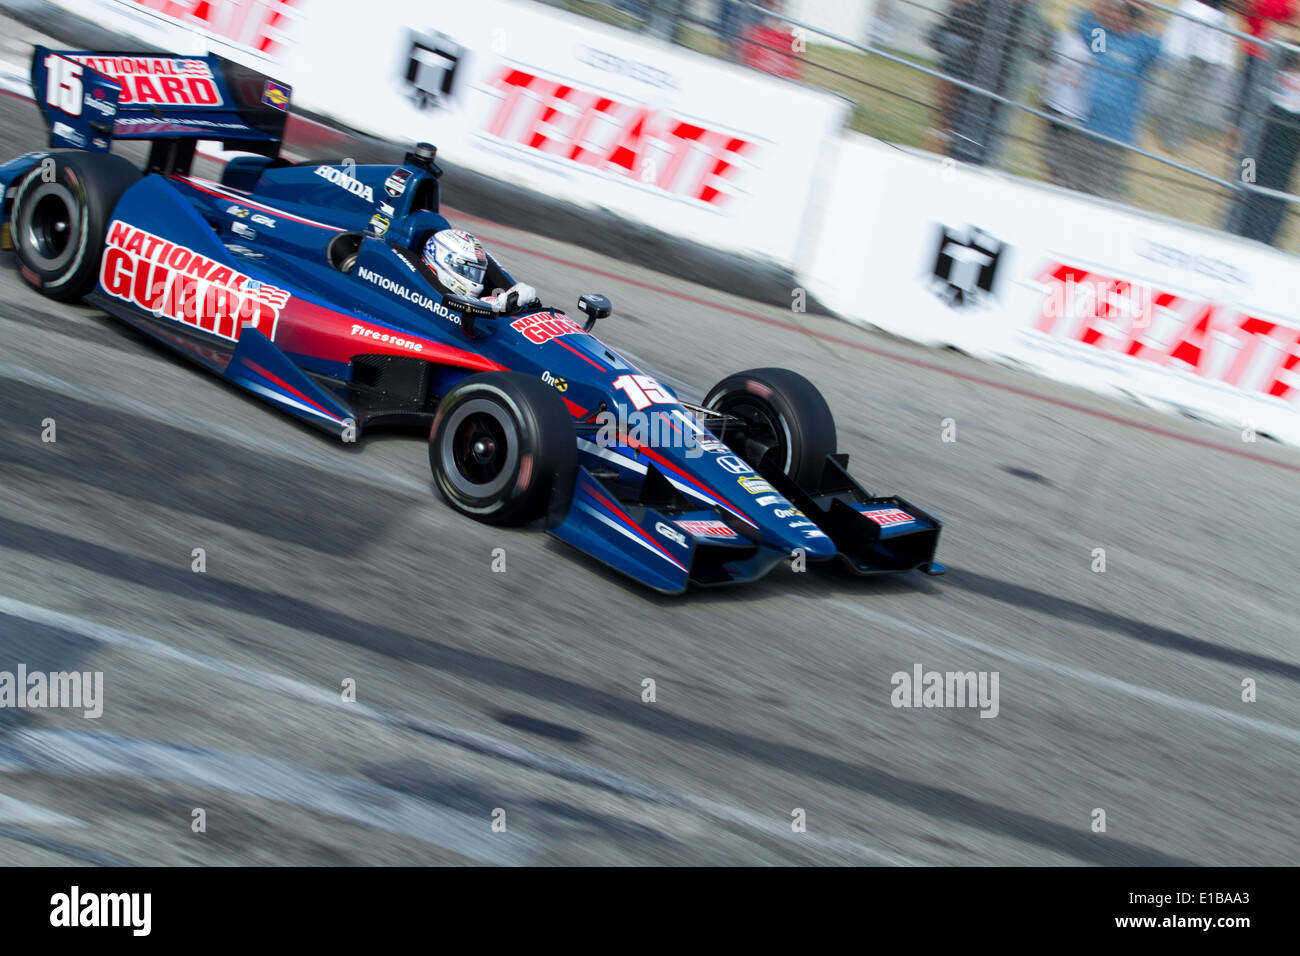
pixel 1192 112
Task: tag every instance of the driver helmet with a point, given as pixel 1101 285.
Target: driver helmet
pixel 458 260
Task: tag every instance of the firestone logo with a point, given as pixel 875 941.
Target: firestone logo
pixel 388 338
pixel 177 283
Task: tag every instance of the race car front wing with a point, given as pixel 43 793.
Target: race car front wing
pixel 668 542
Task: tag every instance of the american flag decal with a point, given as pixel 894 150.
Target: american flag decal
pixel 273 296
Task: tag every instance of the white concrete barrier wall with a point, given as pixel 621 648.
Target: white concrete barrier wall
pixel 1080 291
pixel 1077 290
pixel 587 113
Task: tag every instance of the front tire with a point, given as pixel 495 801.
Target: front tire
pixel 59 220
pixel 783 421
pixel 502 448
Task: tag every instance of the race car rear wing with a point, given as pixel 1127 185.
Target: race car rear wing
pixel 90 99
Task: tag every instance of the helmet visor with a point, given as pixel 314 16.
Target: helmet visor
pixel 465 269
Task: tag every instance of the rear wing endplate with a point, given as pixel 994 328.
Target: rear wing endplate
pixel 90 99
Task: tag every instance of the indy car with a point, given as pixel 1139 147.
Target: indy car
pixel 303 284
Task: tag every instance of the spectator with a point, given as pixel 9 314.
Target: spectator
pixel 1065 99
pixel 1198 56
pixel 986 42
pixel 636 8
pixel 768 45
pixel 884 23
pixel 660 18
pixel 734 18
pixel 1260 17
pixel 1122 56
pixel 1279 148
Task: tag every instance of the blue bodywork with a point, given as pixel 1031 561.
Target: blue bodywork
pixel 339 323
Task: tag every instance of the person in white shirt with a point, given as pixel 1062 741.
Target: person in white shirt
pixel 1065 97
pixel 1200 59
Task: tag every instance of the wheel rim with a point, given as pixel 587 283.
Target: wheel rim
pixel 50 229
pixel 760 431
pixel 480 449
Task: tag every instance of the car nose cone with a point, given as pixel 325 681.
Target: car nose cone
pixel 813 542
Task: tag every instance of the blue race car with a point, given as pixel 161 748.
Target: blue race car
pixel 341 295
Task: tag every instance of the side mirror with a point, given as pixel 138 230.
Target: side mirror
pixel 594 306
pixel 469 310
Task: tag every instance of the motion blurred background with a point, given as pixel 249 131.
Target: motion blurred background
pixel 1199 117
pixel 1123 687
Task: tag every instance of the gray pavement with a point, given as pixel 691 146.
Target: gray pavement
pixel 481 692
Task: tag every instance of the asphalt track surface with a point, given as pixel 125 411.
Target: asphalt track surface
pixel 522 691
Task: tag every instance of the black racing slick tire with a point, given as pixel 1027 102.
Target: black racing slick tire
pixel 59 220
pixel 781 420
pixel 502 448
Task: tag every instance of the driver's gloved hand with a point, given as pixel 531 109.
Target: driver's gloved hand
pixel 517 296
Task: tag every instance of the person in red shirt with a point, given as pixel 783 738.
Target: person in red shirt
pixel 767 45
pixel 1257 14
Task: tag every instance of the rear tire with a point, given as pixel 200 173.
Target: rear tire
pixel 59 223
pixel 502 448
pixel 784 421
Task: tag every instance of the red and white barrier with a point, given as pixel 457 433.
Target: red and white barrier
pixel 1081 291
pixel 584 112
